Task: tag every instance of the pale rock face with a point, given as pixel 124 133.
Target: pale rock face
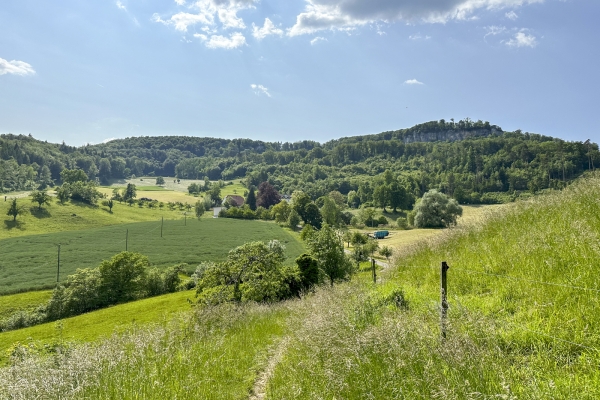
pixel 450 135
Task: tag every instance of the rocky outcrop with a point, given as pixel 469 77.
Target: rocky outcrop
pixel 450 135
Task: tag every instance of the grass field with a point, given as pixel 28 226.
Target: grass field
pixel 69 217
pixel 172 191
pixel 29 301
pixel 30 262
pixel 209 354
pixel 102 323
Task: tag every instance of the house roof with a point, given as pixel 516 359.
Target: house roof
pixel 236 200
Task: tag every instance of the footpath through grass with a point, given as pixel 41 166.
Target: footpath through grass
pixel 31 262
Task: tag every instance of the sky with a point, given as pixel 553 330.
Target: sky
pixel 290 70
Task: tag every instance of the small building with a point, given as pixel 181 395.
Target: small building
pixel 234 200
pixel 216 211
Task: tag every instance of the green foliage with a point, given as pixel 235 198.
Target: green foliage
pixel 330 212
pixel 41 197
pixel 129 193
pixel 251 199
pixel 160 180
pixel 293 220
pixel 108 203
pixel 386 252
pixel 15 209
pixel 309 271
pixel 436 210
pixel 199 209
pixel 82 191
pixel 281 212
pixel 123 277
pixel 73 176
pixel 252 272
pixel 312 216
pixel 327 248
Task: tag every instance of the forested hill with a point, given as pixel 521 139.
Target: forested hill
pixel 466 159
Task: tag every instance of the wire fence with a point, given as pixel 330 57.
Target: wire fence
pixel 444 293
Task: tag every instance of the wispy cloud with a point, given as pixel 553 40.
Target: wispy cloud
pixel 317 40
pixel 180 2
pixel 267 29
pixel 413 82
pixel 418 36
pixel 120 5
pixel 522 39
pixel 15 67
pixel 234 41
pixel 511 15
pixel 260 89
pixel 494 30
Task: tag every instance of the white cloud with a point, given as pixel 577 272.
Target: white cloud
pixel 511 15
pixel 348 14
pixel 120 5
pixel 260 89
pixel 413 82
pixel 15 67
pixel 207 12
pixel 234 41
pixel 109 140
pixel 522 39
pixel 317 40
pixel 267 29
pixel 418 36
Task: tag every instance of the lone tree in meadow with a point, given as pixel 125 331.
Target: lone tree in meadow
pixel 160 180
pixel 130 193
pixel 199 208
pixel 40 197
pixel 14 210
pixel 436 210
pixel 109 203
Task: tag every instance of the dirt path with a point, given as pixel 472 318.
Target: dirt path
pixel 258 391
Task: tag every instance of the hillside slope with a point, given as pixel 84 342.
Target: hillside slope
pixel 523 323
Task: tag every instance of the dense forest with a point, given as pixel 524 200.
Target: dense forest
pixel 471 161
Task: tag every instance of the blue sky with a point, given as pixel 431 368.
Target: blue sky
pixel 88 71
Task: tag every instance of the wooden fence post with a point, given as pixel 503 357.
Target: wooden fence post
pixel 444 298
pixel 374 271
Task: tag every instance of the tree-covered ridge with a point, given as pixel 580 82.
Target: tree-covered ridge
pixel 464 159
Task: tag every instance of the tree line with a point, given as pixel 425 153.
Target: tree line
pixel 470 161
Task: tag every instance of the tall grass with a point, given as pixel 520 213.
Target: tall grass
pixel 212 354
pixel 523 321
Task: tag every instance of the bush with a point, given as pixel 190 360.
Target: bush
pixel 402 223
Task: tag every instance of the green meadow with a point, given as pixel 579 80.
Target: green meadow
pixel 31 262
pixel 523 323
